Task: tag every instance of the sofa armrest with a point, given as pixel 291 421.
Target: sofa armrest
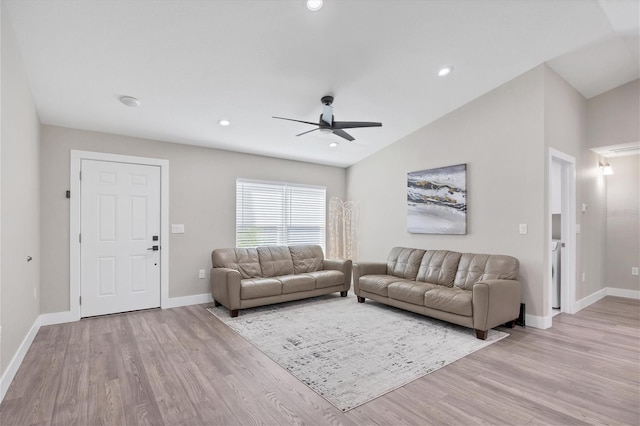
pixel 366 268
pixel 343 265
pixel 495 302
pixel 225 287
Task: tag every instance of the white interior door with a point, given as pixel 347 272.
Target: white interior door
pixel 119 237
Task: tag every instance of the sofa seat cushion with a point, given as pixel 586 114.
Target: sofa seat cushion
pixel 259 287
pixel 296 283
pixel 454 300
pixel 410 291
pixel 328 278
pixel 379 284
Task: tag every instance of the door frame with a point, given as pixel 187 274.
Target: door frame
pixel 74 228
pixel 568 230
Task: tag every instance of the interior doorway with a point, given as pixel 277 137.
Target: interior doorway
pixel 561 238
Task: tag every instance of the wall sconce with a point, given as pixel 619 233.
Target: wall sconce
pixel 605 169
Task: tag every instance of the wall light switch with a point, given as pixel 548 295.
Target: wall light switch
pixel 201 273
pixel 177 228
pixel 634 270
pixel 523 229
pixel 584 208
pixel 577 228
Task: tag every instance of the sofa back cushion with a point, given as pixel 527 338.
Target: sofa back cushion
pixel 275 261
pixel 306 258
pixel 439 267
pixel 243 260
pixel 477 267
pixel 404 262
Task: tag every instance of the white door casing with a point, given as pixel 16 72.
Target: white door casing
pixel 120 237
pixel 77 158
pixel 568 225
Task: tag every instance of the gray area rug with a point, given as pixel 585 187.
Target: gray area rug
pixel 349 352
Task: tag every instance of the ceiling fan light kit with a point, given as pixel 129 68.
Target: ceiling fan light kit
pixel 326 123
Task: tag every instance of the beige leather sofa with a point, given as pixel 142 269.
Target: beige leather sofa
pixel 480 291
pixel 247 277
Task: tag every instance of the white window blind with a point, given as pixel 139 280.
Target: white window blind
pixel 277 213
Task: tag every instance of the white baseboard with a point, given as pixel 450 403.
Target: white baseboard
pixel 622 292
pixel 57 318
pixel 590 299
pixel 196 299
pixel 17 359
pixel 537 322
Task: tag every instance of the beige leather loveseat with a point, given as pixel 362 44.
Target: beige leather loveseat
pixel 247 277
pixel 480 291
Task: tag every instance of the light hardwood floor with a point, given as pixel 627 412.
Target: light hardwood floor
pixel 183 366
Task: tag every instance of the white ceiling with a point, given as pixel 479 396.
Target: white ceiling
pixel 192 63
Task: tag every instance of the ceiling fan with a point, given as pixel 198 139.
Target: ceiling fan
pixel 327 124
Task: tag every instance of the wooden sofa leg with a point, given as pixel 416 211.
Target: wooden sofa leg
pixel 510 324
pixel 343 293
pixel 234 313
pixel 360 299
pixel 482 334
pixel 216 303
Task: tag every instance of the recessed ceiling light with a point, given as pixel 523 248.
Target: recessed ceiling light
pixel 224 123
pixel 333 144
pixel 314 5
pixel 130 101
pixel 445 71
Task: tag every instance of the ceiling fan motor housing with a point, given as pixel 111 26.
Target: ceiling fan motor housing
pixel 327 100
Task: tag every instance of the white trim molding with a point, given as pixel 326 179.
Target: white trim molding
pixel 16 361
pixel 74 229
pixel 537 322
pixel 196 299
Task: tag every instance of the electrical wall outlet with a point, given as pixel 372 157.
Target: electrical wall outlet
pixel 523 229
pixel 634 271
pixel 201 273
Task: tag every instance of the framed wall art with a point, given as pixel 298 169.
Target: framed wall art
pixel 437 201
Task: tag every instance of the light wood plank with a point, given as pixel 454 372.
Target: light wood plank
pixel 184 366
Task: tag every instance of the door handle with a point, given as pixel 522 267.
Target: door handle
pixel 154 248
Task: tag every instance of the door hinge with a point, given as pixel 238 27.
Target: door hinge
pixel 79 238
pixel 80 174
pixel 81 300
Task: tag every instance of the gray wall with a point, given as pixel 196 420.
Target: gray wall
pixel 565 126
pixel 202 197
pixel 501 138
pixel 614 116
pixel 623 222
pixel 20 204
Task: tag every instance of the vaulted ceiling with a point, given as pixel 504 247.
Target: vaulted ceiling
pixel 193 63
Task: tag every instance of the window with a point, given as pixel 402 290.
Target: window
pixel 277 213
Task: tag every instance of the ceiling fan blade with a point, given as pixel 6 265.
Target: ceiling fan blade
pixel 354 124
pixel 327 114
pixel 298 121
pixel 308 131
pixel 343 134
